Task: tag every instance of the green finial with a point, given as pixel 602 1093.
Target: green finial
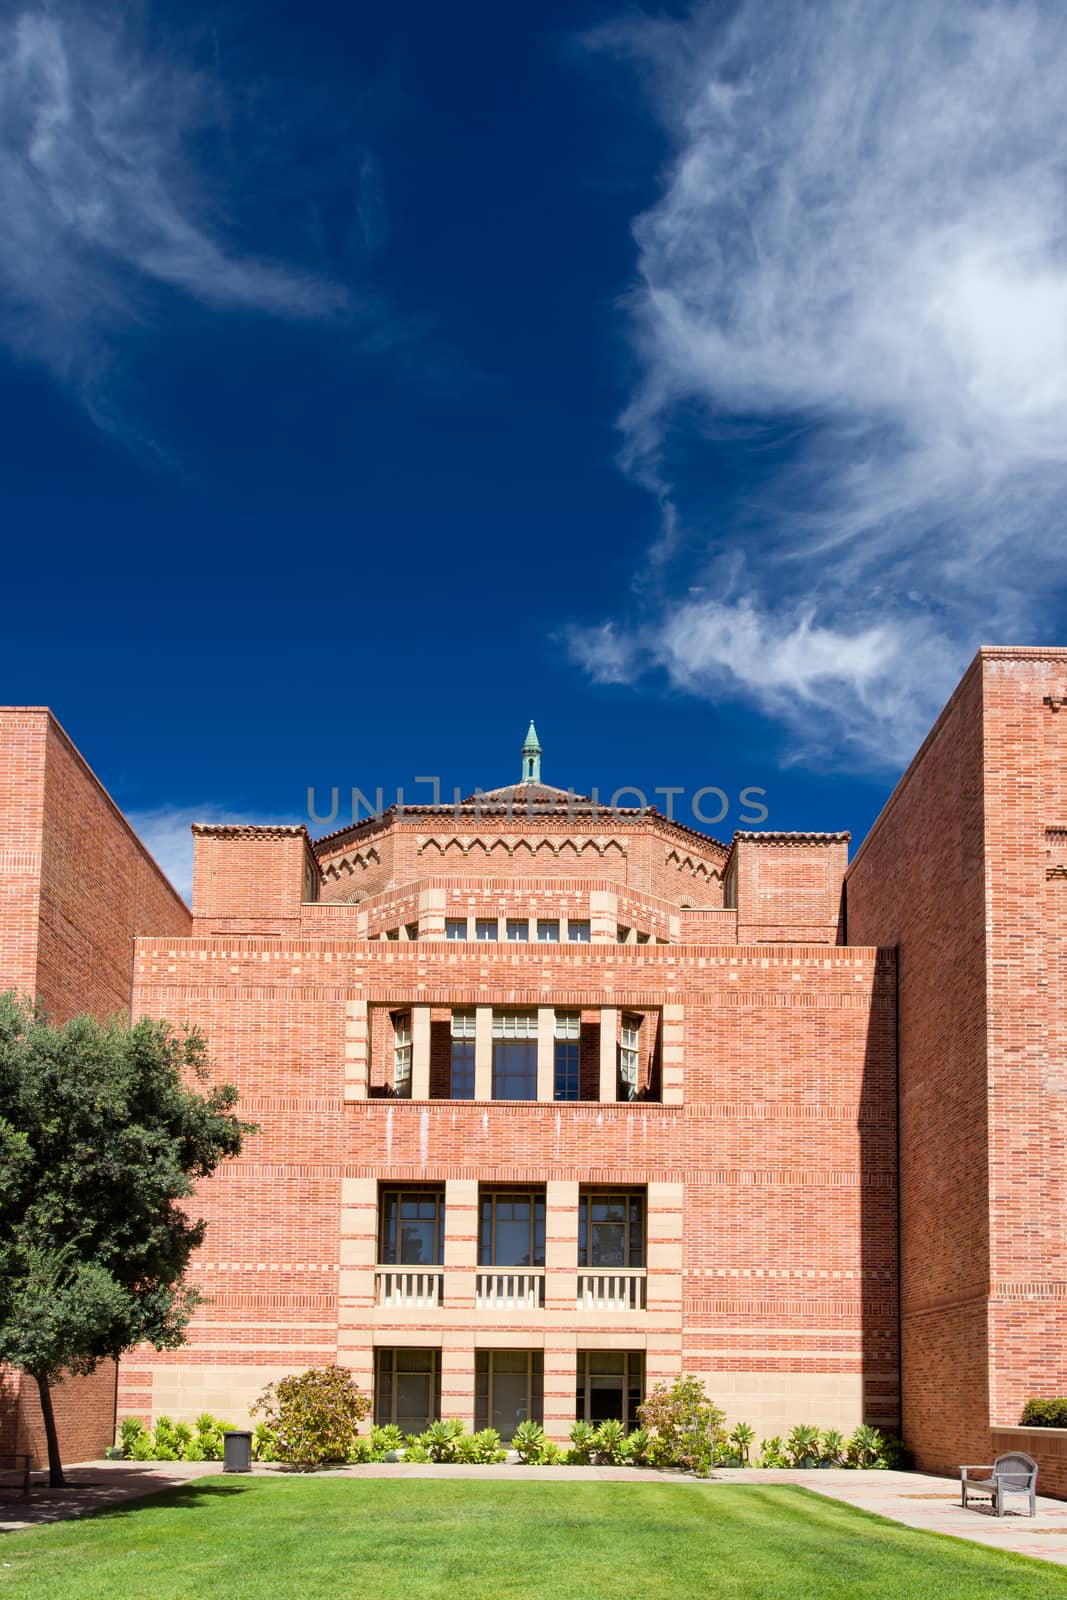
pixel 531 757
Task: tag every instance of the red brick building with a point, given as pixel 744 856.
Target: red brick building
pixel 556 1102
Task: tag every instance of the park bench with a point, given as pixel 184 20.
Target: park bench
pixel 1010 1474
pixel 15 1469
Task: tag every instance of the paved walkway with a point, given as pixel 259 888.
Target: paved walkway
pixel 913 1498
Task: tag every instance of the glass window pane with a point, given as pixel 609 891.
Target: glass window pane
pixel 462 1083
pixel 548 932
pixel 518 931
pixel 514 1069
pixel 455 927
pixel 485 929
pixel 578 932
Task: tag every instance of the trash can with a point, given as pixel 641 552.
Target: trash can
pixel 237 1451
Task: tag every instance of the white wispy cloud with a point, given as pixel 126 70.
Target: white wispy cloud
pixel 165 831
pixel 861 242
pixel 101 197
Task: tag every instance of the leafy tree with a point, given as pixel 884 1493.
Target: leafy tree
pixel 686 1427
pixel 314 1416
pixel 102 1134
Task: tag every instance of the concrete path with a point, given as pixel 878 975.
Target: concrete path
pixel 915 1499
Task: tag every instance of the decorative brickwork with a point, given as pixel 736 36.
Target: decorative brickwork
pixel 703 1066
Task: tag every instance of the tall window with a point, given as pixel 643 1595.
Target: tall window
pixel 402 1054
pixel 518 930
pixel 455 927
pixel 508 1389
pixel 610 1385
pixel 411 1228
pixel 514 1055
pixel 407 1389
pixel 629 1057
pixel 485 929
pixel 548 932
pixel 412 930
pixel 511 1229
pixel 611 1229
pixel 567 1050
pixel 578 932
pixel 622 934
pixel 462 1055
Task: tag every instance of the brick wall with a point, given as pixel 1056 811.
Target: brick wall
pixel 76 886
pixel 85 1417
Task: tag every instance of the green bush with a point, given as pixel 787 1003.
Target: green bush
pixel 529 1441
pixel 583 1443
pixel 772 1452
pixel 385 1439
pixel 637 1447
pixel 263 1442
pixel 741 1439
pixel 894 1453
pixel 416 1452
pixel 313 1415
pixel 609 1442
pixel 687 1428
pixel 802 1445
pixel 1045 1413
pixel 865 1448
pixel 142 1448
pixel 551 1454
pixel 832 1447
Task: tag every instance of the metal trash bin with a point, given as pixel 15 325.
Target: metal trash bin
pixel 237 1451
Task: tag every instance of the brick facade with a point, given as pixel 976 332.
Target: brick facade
pixel 761 1042
pixel 76 888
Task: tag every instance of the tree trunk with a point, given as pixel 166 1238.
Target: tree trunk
pixel 56 1479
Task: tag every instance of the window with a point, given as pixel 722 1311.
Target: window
pixel 578 932
pixel 622 934
pixel 462 1082
pixel 629 1057
pixel 511 1229
pixel 567 1049
pixel 393 934
pixel 643 938
pixel 611 1229
pixel 407 1389
pixel 610 1385
pixel 548 932
pixel 514 1055
pixel 518 930
pixel 508 1389
pixel 402 1054
pixel 455 927
pixel 412 1228
pixel 485 929
pixel 412 930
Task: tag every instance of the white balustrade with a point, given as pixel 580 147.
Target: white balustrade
pixel 611 1291
pixel 510 1289
pixel 406 1290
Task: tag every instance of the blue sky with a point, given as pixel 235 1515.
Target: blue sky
pixel 374 379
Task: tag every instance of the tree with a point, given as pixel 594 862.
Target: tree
pixel 103 1131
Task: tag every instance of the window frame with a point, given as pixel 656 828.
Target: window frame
pixel 567 1055
pixel 632 1360
pixel 579 938
pixel 547 938
pixel 482 925
pixel 635 1229
pixel 402 1053
pixel 381 1419
pixel 489 1198
pixel 451 923
pixel 512 1029
pixel 462 1028
pixel 400 1193
pixel 535 1387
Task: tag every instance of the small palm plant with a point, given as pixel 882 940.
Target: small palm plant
pixel 742 1437
pixel 638 1445
pixel 529 1440
pixel 583 1442
pixel 440 1440
pixel 802 1445
pixel 610 1442
pixel 864 1447
pixel 831 1448
pixel 772 1453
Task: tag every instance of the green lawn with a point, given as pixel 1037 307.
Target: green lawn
pixel 389 1539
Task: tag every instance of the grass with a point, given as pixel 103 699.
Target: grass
pixel 389 1539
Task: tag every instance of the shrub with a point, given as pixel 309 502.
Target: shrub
pixel 142 1448
pixel 385 1439
pixel 314 1415
pixel 772 1453
pixel 637 1447
pixel 440 1440
pixel 416 1452
pixel 832 1447
pixel 583 1442
pixel 130 1429
pixel 263 1442
pixel 742 1438
pixel 529 1440
pixel 1045 1413
pixel 551 1454
pixel 686 1426
pixel 195 1451
pixel 609 1442
pixel 894 1453
pixel 802 1445
pixel 865 1447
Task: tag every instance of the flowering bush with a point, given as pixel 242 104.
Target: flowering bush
pixel 313 1416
